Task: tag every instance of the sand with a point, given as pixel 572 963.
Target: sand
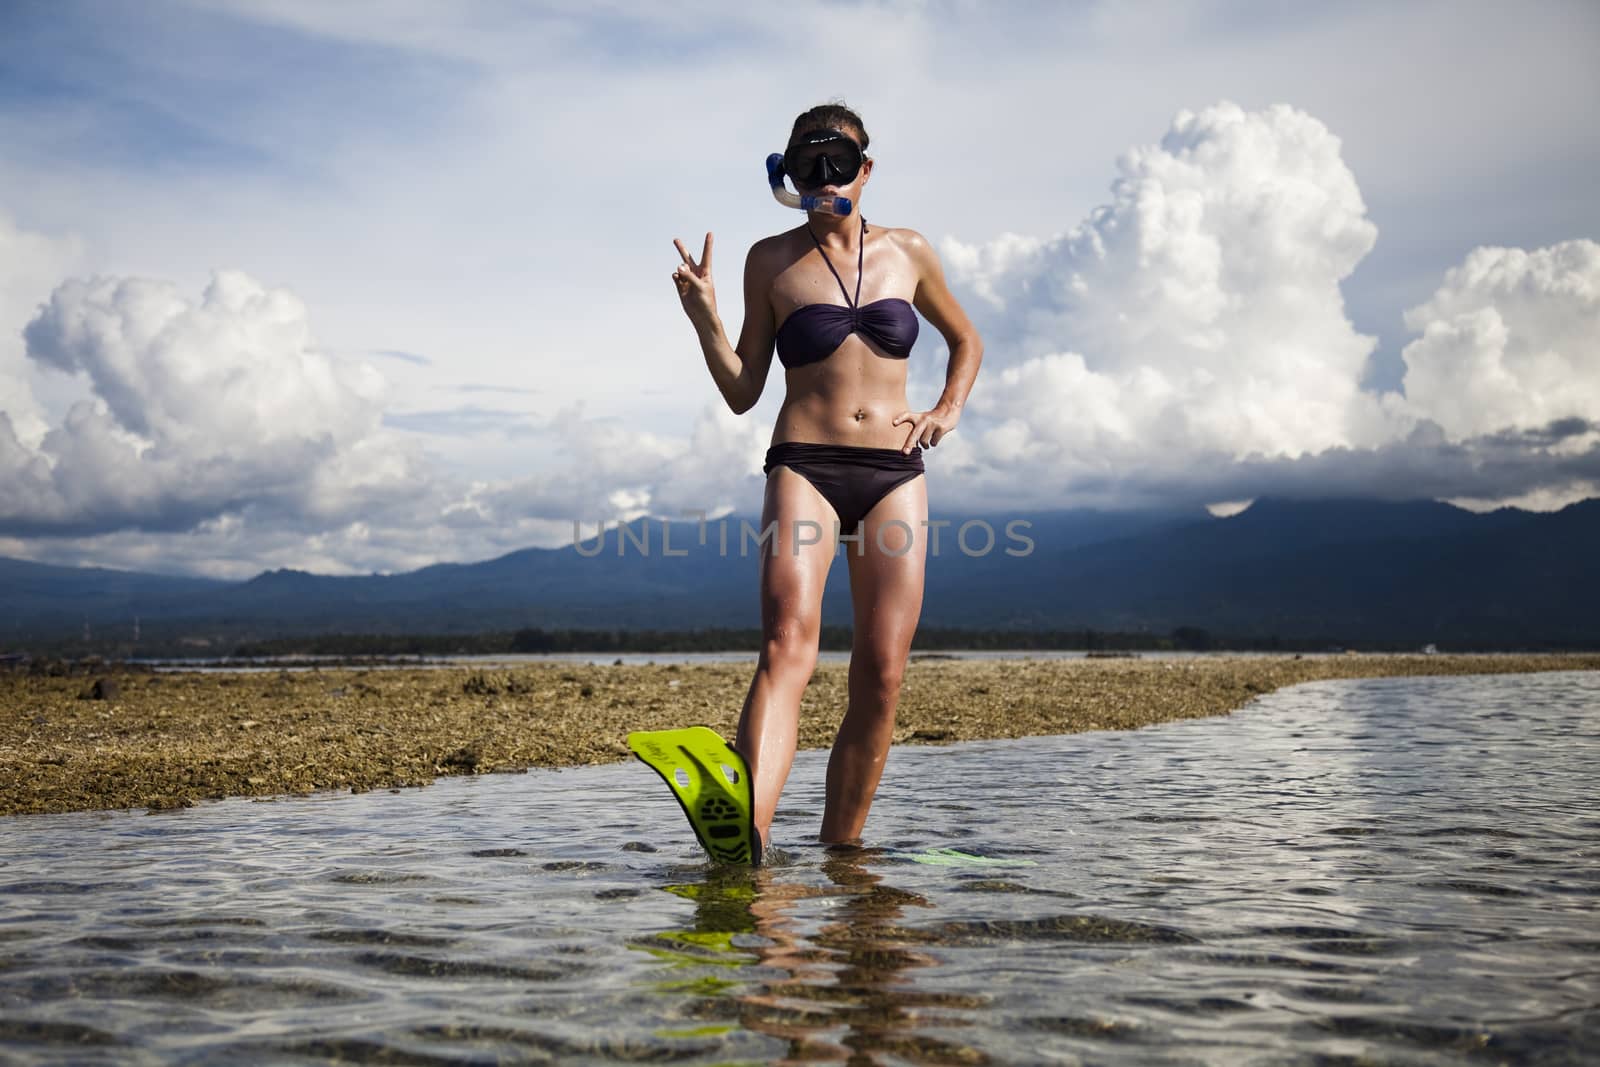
pixel 167 740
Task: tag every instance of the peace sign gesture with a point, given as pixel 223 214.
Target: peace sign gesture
pixel 693 280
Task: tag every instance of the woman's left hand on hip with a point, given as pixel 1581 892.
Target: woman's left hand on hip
pixel 927 427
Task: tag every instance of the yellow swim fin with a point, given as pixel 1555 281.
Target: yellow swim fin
pixel 711 783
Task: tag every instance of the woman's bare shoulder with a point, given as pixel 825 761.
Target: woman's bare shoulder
pixel 771 254
pixel 912 244
pixel 905 237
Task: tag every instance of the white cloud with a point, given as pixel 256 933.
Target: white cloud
pixel 1511 340
pixel 198 408
pixel 219 420
pixel 1189 339
pixel 1198 312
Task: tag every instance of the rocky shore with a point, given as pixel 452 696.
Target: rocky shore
pixel 113 738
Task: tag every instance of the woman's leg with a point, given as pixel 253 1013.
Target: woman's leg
pixel 792 578
pixel 886 590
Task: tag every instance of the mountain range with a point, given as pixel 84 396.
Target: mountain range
pixel 1349 570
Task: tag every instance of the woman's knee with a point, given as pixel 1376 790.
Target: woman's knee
pixel 879 670
pixel 791 644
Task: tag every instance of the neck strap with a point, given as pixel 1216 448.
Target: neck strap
pixel 861 253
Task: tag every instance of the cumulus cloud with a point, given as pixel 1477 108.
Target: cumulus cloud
pixel 198 408
pixel 1189 339
pixel 1510 340
pixel 219 419
pixel 1199 310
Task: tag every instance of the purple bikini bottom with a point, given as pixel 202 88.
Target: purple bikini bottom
pixel 849 477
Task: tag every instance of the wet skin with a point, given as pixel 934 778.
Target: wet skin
pixel 856 396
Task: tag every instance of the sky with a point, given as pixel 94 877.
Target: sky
pixel 364 287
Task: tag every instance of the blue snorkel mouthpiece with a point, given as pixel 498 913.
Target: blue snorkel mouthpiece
pixel 827 205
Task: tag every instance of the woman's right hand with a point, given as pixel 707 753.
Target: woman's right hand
pixel 693 280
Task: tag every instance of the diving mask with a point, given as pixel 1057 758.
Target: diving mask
pixel 822 157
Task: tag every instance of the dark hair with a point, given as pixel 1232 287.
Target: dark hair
pixel 830 116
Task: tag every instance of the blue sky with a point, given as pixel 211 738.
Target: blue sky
pixel 443 234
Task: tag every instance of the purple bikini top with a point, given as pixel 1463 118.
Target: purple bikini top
pixel 814 332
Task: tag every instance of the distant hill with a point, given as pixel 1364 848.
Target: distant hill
pixel 1377 571
pixel 1345 569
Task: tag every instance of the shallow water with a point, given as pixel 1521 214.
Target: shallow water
pixel 1391 870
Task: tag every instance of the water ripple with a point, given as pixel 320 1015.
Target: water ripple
pixel 1390 870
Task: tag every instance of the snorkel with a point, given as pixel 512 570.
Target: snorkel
pixel 827 205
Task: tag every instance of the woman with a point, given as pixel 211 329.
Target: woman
pixel 846 453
